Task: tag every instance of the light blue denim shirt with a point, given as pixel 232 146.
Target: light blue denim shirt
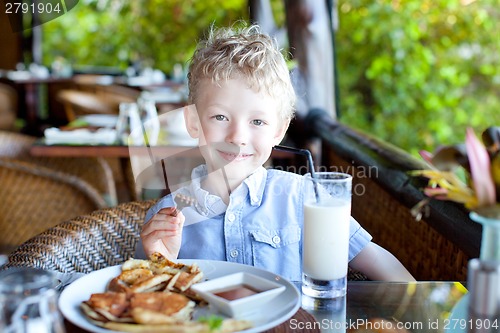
pixel 261 226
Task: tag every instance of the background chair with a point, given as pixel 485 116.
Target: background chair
pixel 34 198
pixel 92 96
pixel 15 145
pixel 8 107
pixel 96 171
pixel 77 103
pixel 116 94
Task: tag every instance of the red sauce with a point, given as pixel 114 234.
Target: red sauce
pixel 237 292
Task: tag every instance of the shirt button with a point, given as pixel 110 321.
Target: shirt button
pixel 234 253
pixel 231 217
pixel 276 239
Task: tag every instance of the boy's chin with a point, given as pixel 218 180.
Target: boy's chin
pixel 237 170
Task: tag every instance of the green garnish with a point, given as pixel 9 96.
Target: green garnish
pixel 214 322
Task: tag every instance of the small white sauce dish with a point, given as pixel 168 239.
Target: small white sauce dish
pixel 238 294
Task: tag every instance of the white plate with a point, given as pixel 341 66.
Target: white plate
pixel 277 311
pixel 100 120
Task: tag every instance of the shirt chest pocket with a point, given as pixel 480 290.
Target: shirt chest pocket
pixel 278 251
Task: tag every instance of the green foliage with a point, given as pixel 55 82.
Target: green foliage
pixel 157 33
pixel 214 322
pixel 416 73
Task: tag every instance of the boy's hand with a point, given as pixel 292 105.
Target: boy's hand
pixel 163 233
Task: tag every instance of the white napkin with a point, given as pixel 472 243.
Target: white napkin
pixel 80 136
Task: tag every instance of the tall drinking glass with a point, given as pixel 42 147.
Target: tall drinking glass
pixel 28 302
pixel 327 213
pixel 128 127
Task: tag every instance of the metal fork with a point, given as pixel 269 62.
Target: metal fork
pixel 182 201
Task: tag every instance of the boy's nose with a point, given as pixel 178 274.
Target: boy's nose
pixel 237 135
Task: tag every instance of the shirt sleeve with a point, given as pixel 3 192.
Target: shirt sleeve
pixel 165 202
pixel 359 238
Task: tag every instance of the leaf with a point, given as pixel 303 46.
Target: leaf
pixel 214 322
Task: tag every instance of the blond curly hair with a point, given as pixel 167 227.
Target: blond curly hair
pixel 230 53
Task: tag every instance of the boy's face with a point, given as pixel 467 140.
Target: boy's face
pixel 236 126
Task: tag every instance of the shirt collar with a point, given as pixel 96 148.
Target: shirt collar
pixel 256 184
pixel 213 205
pixel 208 204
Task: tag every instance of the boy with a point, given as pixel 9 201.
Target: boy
pixel 242 103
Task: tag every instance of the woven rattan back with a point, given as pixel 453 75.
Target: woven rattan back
pixel 86 243
pixel 95 171
pixel 15 145
pixel 34 198
pixel 8 107
pixel 77 103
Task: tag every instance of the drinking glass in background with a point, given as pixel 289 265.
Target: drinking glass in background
pixel 128 126
pixel 28 302
pixel 148 115
pixel 327 214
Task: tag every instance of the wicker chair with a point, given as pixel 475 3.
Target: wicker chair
pixel 116 94
pixel 8 107
pixel 96 171
pixel 104 84
pixel 78 103
pixel 15 145
pixel 86 243
pixel 101 99
pixel 34 198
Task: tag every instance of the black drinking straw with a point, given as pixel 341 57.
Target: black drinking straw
pixel 308 155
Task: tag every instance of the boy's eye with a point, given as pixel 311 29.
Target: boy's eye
pixel 220 117
pixel 258 122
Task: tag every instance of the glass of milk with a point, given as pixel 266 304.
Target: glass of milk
pixel 327 213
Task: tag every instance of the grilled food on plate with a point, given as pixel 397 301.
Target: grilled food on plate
pixel 154 296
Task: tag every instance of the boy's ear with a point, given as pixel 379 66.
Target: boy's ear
pixel 281 131
pixel 192 121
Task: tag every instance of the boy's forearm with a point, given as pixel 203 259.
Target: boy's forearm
pixel 380 265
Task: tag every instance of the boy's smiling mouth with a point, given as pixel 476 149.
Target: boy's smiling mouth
pixel 229 156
